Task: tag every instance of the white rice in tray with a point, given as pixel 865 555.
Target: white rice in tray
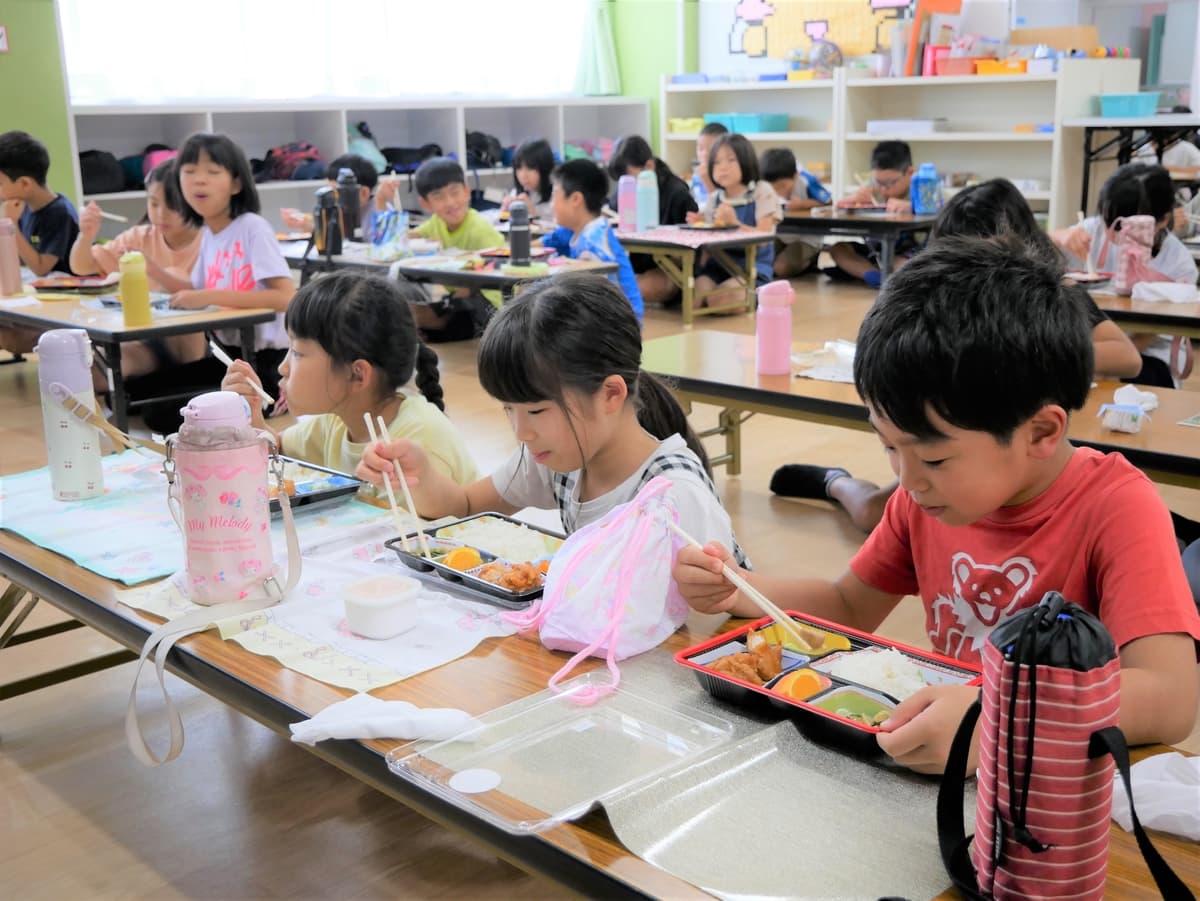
pixel 509 541
pixel 884 670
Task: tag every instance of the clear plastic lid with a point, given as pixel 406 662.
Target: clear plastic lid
pixel 549 758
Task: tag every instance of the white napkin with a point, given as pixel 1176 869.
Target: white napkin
pixel 832 363
pixel 1132 395
pixel 1172 292
pixel 364 716
pixel 1166 792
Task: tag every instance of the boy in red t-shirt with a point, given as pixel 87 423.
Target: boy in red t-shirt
pixel 970 395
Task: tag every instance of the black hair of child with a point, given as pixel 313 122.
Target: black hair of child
pixel 713 129
pixel 1137 189
pixel 585 177
pixel 229 156
pixel 743 152
pixel 979 331
pixel 777 163
pixel 634 150
pixel 363 169
pixel 22 155
pixel 536 155
pixel 893 155
pixel 568 334
pixel 993 207
pixel 437 173
pixel 356 316
pixel 166 174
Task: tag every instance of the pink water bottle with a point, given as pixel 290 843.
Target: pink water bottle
pixel 217 470
pixel 773 329
pixel 627 203
pixel 10 260
pixel 72 445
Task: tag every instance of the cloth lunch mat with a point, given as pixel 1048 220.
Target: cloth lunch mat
pixel 307 631
pixel 773 814
pixel 127 534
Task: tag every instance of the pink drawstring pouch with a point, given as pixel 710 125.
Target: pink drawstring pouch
pixel 609 592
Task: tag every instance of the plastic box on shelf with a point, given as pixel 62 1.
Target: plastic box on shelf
pixel 1120 106
pixel 954 65
pixel 750 123
pixel 685 124
pixel 1000 67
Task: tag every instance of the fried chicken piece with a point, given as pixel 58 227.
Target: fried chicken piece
pixel 739 666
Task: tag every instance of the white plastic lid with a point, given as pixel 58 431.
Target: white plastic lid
pixel 65 342
pixel 381 591
pixel 217 408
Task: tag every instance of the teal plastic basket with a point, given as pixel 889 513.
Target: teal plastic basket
pixel 755 123
pixel 1128 106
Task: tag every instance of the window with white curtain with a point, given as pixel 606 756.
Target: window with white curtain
pixel 148 51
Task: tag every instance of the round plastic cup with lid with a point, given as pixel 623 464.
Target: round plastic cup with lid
pixel 382 607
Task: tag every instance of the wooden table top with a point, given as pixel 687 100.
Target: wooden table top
pixel 675 236
pixel 1174 318
pixel 585 854
pixel 720 366
pixel 831 220
pixel 108 324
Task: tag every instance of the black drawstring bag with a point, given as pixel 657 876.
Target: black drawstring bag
pixel 1047 748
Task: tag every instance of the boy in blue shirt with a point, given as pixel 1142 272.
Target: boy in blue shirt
pixel 580 187
pixel 798 190
pixel 47 223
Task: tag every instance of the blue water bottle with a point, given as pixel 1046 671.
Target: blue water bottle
pixel 926 191
pixel 647 200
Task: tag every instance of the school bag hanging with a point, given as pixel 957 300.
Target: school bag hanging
pixel 609 592
pixel 217 490
pixel 1048 741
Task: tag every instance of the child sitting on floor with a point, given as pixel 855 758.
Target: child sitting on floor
pixel 583 233
pixel 798 190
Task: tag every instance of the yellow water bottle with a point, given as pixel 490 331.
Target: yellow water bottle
pixel 135 290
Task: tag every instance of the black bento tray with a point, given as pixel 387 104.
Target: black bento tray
pixel 339 484
pixel 465 579
pixel 807 713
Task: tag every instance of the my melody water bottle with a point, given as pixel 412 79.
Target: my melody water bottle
pixel 627 203
pixel 72 445
pixel 217 470
pixel 773 328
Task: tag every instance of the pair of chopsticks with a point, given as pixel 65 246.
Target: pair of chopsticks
pixel 391 495
pixel 760 600
pixel 113 216
pixel 1091 267
pixel 219 353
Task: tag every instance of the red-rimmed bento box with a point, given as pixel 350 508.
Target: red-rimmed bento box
pixel 838 686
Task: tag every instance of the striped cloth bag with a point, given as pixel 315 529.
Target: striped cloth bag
pixel 1048 744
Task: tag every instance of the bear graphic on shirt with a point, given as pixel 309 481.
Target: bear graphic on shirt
pixel 983 596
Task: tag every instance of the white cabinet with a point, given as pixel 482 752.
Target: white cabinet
pixel 982 129
pixel 126 130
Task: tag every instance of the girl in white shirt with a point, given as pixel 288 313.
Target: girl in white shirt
pixel 565 360
pixel 1137 189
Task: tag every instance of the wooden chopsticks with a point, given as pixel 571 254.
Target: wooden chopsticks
pixel 760 600
pixel 391 496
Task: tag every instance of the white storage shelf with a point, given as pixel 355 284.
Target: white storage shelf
pixel 410 122
pixel 980 116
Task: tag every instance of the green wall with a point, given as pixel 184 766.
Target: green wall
pixel 33 59
pixel 646 34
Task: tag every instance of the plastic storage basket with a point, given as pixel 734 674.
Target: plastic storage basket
pixel 1000 67
pixel 754 123
pixel 685 125
pixel 1115 106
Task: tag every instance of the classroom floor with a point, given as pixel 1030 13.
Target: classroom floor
pixel 244 813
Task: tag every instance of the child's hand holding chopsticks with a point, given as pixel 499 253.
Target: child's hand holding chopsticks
pixel 700 576
pixel 241 378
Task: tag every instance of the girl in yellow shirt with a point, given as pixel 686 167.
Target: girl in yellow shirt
pixel 353 347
